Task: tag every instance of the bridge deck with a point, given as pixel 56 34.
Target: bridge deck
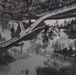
pixel 29 30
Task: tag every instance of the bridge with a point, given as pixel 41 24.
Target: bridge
pixel 60 13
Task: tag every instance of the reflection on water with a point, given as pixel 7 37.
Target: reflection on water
pixel 58 64
pixel 64 65
pixel 4 68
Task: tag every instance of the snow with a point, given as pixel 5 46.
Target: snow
pixel 60 21
pixel 31 60
pixel 63 41
pixel 6 34
pixel 73 55
pixel 35 24
pixel 13 23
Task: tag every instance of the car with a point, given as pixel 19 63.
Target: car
pixel 27 30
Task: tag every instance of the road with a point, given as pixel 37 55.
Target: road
pixel 30 29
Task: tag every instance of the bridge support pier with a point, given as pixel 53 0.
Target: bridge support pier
pixel 29 21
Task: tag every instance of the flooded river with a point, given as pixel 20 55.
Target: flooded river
pixel 59 62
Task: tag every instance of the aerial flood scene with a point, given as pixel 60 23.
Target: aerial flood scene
pixel 37 37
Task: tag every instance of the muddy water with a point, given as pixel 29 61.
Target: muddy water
pixel 57 61
pixel 16 67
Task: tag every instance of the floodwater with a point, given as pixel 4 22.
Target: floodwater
pixel 16 67
pixel 57 61
pixel 31 62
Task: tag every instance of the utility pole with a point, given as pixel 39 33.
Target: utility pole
pixel 22 47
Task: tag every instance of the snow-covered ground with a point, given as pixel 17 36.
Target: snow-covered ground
pixel 28 59
pixel 6 34
pixel 62 39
